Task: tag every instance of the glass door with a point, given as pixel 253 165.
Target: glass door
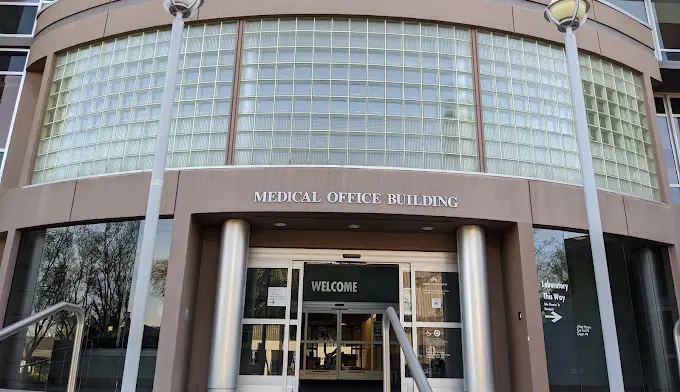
pixel 358 347
pixel 355 353
pixel 320 345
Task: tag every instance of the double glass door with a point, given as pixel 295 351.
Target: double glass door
pixel 342 344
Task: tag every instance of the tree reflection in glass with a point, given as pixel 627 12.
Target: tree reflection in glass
pixel 92 266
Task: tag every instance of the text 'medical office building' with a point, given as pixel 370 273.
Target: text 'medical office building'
pixel 329 159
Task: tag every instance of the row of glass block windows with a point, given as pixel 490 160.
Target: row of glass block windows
pixel 348 92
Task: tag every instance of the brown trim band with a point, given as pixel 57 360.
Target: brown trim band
pixel 235 90
pixel 477 93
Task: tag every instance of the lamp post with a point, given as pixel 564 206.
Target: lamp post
pixel 569 15
pixel 180 9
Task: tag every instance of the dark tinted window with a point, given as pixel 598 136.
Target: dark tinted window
pixel 12 61
pixel 644 308
pixel 675 106
pixel 259 283
pixel 658 102
pixel 16 19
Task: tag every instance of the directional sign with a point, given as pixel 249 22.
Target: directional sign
pixel 554 316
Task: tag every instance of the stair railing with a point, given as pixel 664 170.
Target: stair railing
pixel 390 318
pixel 676 340
pixel 80 327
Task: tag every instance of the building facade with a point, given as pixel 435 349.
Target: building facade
pixel 17 23
pixel 328 160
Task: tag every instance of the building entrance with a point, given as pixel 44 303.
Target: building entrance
pixel 343 343
pixel 342 308
pixel 313 321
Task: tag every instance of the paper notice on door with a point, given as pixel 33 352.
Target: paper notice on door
pixel 436 303
pixel 408 307
pixel 276 296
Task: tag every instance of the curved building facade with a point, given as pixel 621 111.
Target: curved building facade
pixel 328 160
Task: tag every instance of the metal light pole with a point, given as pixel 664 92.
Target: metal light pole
pixel 569 15
pixel 181 9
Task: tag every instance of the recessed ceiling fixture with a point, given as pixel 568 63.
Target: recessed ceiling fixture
pixel 427 228
pixel 280 224
pixel 353 226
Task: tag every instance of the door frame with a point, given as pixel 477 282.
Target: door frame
pixel 294 258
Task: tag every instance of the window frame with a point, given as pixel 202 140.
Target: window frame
pixel 673 123
pixel 4 148
pixel 23 3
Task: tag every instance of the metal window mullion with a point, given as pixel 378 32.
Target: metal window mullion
pixel 477 99
pixel 235 91
pixel 11 126
pixel 673 131
pixel 651 17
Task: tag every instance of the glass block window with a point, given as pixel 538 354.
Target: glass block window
pixel 526 109
pixel 105 102
pixel 623 155
pixel 337 91
pixel 528 117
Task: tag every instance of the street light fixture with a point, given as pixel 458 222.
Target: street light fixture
pixel 180 9
pixel 569 15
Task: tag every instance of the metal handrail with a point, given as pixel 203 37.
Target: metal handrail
pixel 390 317
pixel 676 339
pixel 80 327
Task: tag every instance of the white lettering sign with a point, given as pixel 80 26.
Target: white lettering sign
pixel 583 330
pixel 333 197
pixel 326 286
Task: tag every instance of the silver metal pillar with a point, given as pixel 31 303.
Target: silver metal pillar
pixel 604 294
pixel 225 352
pixel 649 270
pixel 153 207
pixel 474 299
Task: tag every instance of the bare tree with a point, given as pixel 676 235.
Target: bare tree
pixel 55 283
pixel 159 274
pixel 551 261
pixel 109 251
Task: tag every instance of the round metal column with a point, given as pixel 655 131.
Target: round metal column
pixel 474 299
pixel 227 322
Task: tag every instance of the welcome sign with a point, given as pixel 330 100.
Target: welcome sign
pixel 351 283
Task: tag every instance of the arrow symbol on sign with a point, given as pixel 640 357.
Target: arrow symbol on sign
pixel 554 316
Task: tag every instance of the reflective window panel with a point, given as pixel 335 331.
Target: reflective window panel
pixel 262 350
pixel 13 61
pixel 91 266
pixel 633 7
pixel 668 150
pixel 17 19
pixel 643 303
pixel 356 92
pixel 105 102
pixel 667 14
pixel 258 284
pixel 620 140
pixel 9 94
